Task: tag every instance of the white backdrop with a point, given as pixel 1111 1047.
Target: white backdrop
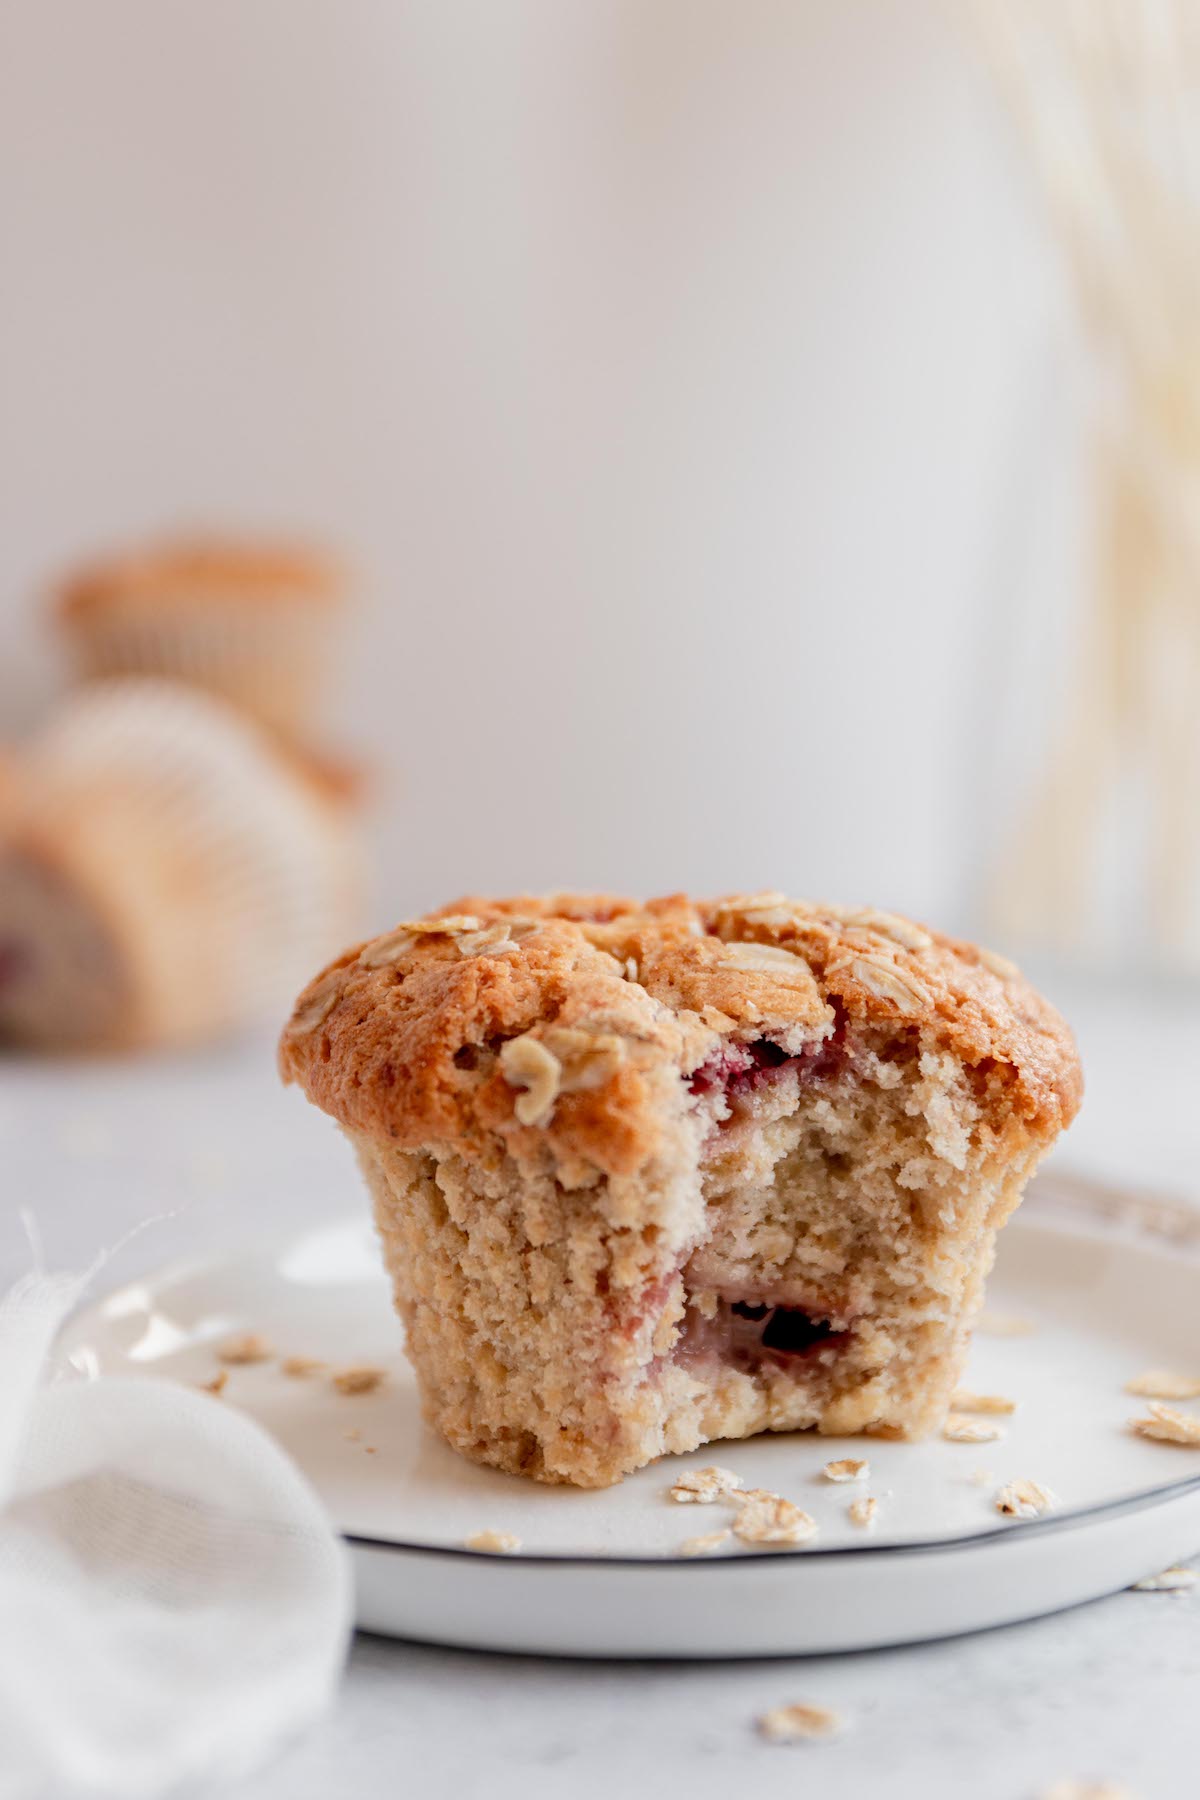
pixel 680 373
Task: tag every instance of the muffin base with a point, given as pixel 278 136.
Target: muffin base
pixel 808 1253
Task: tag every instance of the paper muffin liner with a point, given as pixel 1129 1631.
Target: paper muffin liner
pixel 270 657
pixel 65 979
pixel 228 876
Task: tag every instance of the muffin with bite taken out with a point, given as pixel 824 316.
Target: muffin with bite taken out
pixel 650 1175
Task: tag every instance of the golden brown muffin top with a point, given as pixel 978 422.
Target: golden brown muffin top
pixel 176 572
pixel 552 1022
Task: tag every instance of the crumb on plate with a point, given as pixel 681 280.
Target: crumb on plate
pixel 247 1347
pixel 966 1402
pixel 361 1379
pixel 701 1487
pixel 767 1518
pixel 497 1543
pixel 846 1468
pixel 1025 1499
pixel 958 1429
pixel 1168 1425
pixel 799 1724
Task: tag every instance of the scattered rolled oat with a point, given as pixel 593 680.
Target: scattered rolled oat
pixel 249 1347
pixel 958 1429
pixel 769 1519
pixel 981 1478
pixel 1025 1499
pixel 1001 1324
pixel 217 1384
pixel 965 1402
pixel 1169 1425
pixel 1172 1581
pixel 363 1380
pixel 1163 1384
pixel 799 1724
pixel 863 1511
pixel 353 1436
pixel 700 1487
pixel 847 1468
pixel 705 1544
pixel 499 1543
pixel 300 1366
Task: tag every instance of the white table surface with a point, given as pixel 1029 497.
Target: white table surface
pixel 212 1143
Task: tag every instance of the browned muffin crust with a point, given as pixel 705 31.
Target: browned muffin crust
pixel 385 1039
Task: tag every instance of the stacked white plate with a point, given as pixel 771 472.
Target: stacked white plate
pixel 1093 1289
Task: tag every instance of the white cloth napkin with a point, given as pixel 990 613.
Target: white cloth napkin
pixel 174 1603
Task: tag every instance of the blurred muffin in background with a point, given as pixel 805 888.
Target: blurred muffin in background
pixel 10 782
pixel 168 871
pixel 255 623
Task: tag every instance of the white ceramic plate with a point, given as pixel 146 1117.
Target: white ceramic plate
pixel 599 1574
